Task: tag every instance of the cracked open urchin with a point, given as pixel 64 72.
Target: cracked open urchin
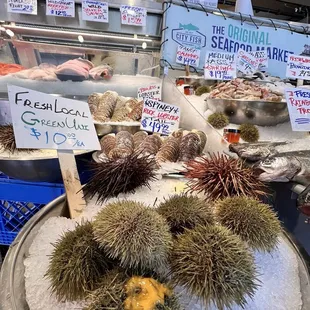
pixel 214 264
pixel 133 233
pixel 221 176
pixel 124 175
pixel 76 264
pixel 252 220
pixel 185 212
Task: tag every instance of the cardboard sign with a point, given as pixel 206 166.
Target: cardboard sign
pixel 262 58
pixel 298 103
pixel 160 117
pixel 188 56
pixel 152 91
pixel 211 3
pixel 44 121
pixel 61 8
pixel 246 63
pixel 220 66
pixel 95 11
pixel 22 7
pixel 298 67
pixel 133 15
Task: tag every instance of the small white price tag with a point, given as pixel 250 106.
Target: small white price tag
pixel 298 67
pixel 61 8
pixel 152 91
pixel 22 7
pixel 95 11
pixel 133 15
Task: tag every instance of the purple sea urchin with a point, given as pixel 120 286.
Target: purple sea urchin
pixel 218 120
pixel 113 177
pixel 185 212
pixel 215 265
pixel 220 176
pixel 249 133
pixel 252 220
pixel 133 233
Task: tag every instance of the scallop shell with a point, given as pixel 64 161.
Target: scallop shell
pixel 189 147
pixel 93 109
pixel 106 106
pixel 119 152
pixel 138 138
pixel 169 150
pixel 94 99
pixel 150 145
pixel 120 114
pixel 178 133
pixel 136 111
pixel 124 139
pixel 203 139
pixel 108 143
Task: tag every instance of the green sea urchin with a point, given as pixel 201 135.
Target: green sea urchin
pixel 133 233
pixel 220 176
pixel 202 90
pixel 112 177
pixel 76 263
pixel 215 265
pixel 185 212
pixel 218 120
pixel 252 220
pixel 249 133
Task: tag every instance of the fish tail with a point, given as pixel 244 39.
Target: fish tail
pixel 180 25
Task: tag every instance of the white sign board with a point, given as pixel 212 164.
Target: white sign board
pixel 95 11
pixel 43 121
pixel 262 59
pixel 298 67
pixel 246 63
pixel 152 91
pixel 61 8
pixel 188 56
pixel 298 103
pixel 22 7
pixel 160 117
pixel 220 66
pixel 133 15
pixel 211 3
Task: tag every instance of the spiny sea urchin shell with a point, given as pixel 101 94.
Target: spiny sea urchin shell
pixel 133 233
pixel 220 176
pixel 76 263
pixel 252 220
pixel 189 147
pixel 112 177
pixel 249 133
pixel 218 120
pixel 185 212
pixel 202 90
pixel 215 265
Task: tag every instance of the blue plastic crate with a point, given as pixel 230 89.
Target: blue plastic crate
pixel 19 201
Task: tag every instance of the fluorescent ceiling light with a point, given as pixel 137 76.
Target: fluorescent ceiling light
pixel 144 45
pixel 81 38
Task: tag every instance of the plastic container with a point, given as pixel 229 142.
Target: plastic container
pixel 231 135
pixel 19 201
pixel 188 90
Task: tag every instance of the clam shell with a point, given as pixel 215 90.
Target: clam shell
pixel 136 111
pixel 189 147
pixel 107 143
pixel 169 151
pixel 106 106
pixel 124 139
pixel 119 152
pixel 138 138
pixel 203 139
pixel 94 99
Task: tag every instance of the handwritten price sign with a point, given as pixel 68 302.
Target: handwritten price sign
pixel 152 91
pixel 262 59
pixel 220 66
pixel 43 121
pixel 298 103
pixel 95 11
pixel 133 15
pixel 22 7
pixel 61 8
pixel 298 67
pixel 247 63
pixel 188 56
pixel 160 117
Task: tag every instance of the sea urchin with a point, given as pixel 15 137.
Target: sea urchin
pixel 220 176
pixel 215 265
pixel 252 220
pixel 249 133
pixel 218 120
pixel 112 177
pixel 133 233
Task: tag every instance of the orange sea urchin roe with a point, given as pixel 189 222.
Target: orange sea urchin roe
pixel 144 294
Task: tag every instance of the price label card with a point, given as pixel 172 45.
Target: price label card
pixel 133 15
pixel 60 8
pixel 298 67
pixel 211 3
pixel 152 91
pixel 188 56
pixel 160 117
pixel 262 58
pixel 95 11
pixel 220 66
pixel 43 121
pixel 247 63
pixel 22 7
pixel 298 104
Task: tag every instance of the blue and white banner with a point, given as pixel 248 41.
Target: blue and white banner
pixel 214 33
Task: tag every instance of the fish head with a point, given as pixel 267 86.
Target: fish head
pixel 277 169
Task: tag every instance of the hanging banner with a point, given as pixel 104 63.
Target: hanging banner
pixel 43 121
pixel 220 66
pixel 61 8
pixel 152 91
pixel 133 15
pixel 298 67
pixel 211 3
pixel 188 56
pixel 246 63
pixel 262 59
pixel 214 33
pixel 95 11
pixel 298 103
pixel 22 7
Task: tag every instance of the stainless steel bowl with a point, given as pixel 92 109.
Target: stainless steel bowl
pixel 262 113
